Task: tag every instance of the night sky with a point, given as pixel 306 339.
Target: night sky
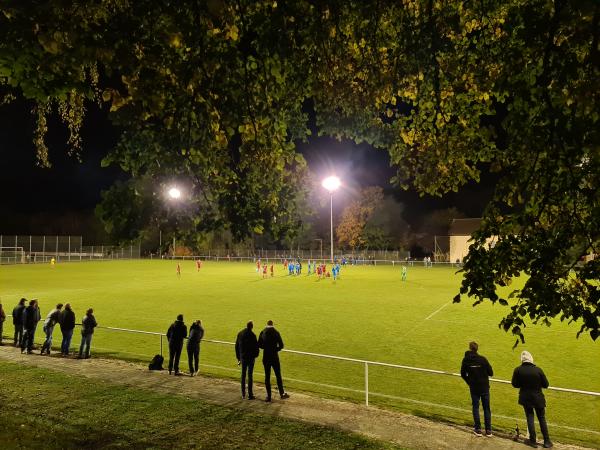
pixel 75 187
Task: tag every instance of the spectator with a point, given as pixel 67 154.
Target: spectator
pixel 476 370
pixel 193 346
pixel 31 317
pixel 67 325
pixel 87 330
pixel 51 320
pixel 246 351
pixel 271 343
pixel 530 380
pixel 2 319
pixel 176 334
pixel 17 317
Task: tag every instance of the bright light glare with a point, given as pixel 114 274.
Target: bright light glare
pixel 174 193
pixel 331 183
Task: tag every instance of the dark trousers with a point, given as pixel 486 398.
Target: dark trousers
pixel 1 330
pixel 541 415
pixel 193 352
pixel 274 363
pixel 247 368
pixel 27 340
pixel 174 355
pixel 18 335
pixel 66 341
pixel 487 413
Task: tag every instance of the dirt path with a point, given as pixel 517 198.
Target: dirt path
pixel 405 430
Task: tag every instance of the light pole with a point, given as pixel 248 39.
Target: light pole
pixel 174 194
pixel 332 184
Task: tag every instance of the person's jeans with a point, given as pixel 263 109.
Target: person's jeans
pixel 174 355
pixel 27 340
pixel 193 351
pixel 1 330
pixel 18 335
pixel 487 413
pixel 86 343
pixel 541 415
pixel 247 367
pixel 66 341
pixel 277 369
pixel 48 342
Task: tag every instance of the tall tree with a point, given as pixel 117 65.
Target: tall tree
pixel 351 230
pixel 213 92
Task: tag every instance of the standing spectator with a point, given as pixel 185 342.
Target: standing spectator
pixel 87 330
pixel 271 343
pixel 67 325
pixel 476 370
pixel 51 320
pixel 31 317
pixel 246 351
pixel 2 319
pixel 17 317
pixel 530 380
pixel 193 346
pixel 176 334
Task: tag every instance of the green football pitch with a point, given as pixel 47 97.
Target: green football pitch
pixel 369 314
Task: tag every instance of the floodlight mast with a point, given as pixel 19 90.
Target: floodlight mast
pixel 332 184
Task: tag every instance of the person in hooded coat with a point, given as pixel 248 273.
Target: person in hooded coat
pixel 476 370
pixel 271 343
pixel 530 380
pixel 176 334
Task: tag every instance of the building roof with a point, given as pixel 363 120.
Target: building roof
pixel 464 227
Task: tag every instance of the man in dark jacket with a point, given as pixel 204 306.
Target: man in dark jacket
pixel 193 346
pixel 176 334
pixel 31 317
pixel 271 343
pixel 246 351
pixel 17 317
pixel 530 380
pixel 476 370
pixel 67 325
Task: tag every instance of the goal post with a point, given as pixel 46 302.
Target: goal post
pixel 12 255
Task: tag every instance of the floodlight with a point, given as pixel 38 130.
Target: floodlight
pixel 174 193
pixel 331 183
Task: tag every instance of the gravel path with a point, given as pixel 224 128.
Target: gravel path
pixel 403 429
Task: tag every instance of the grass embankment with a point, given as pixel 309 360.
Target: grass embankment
pixel 40 408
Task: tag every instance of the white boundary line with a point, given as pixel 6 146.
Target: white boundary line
pixel 437 311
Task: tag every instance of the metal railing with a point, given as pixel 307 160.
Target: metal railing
pixel 366 364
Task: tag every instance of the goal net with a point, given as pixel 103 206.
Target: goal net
pixel 12 255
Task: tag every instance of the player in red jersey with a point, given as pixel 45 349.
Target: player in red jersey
pixel 198 265
pixel 258 266
pixel 178 271
pixel 264 271
pixel 272 270
pixel 319 269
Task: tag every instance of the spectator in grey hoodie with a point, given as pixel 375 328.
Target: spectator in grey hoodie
pixel 52 319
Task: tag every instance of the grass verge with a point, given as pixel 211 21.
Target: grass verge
pixel 42 408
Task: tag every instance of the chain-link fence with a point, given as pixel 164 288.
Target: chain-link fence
pixel 38 249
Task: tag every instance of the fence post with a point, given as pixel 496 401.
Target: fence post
pixel 366 383
pixel 69 247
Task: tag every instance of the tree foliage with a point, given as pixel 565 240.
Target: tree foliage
pixel 351 230
pixel 213 92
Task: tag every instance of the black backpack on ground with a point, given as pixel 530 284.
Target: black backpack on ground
pixel 156 363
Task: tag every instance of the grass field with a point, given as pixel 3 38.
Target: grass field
pixel 369 314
